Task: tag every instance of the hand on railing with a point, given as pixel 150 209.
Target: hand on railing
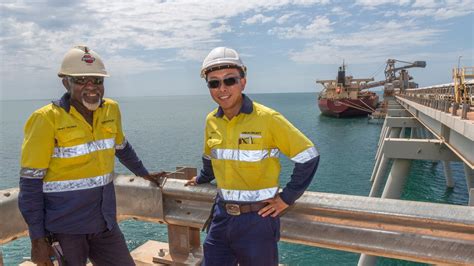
pixel 156 177
pixel 191 182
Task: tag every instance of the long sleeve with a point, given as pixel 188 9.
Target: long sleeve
pixel 302 176
pixel 38 145
pixel 207 174
pixel 128 157
pixel 298 148
pixel 31 204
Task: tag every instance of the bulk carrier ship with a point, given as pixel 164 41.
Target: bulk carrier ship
pixel 346 97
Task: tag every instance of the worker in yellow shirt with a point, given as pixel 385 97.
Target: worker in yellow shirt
pixel 242 144
pixel 67 169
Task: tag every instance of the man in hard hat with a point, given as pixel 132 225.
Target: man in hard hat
pixel 67 169
pixel 242 144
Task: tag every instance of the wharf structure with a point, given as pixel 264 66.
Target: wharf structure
pixel 438 128
pixel 433 123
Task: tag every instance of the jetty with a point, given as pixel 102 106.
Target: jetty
pixel 432 123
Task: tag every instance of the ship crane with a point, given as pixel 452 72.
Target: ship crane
pixel 402 81
pixel 393 81
pixel 396 78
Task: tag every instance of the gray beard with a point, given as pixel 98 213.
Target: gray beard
pixel 91 106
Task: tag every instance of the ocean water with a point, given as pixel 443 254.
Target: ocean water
pixel 168 131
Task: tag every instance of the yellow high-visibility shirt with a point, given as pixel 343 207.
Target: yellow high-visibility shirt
pixel 64 150
pixel 245 151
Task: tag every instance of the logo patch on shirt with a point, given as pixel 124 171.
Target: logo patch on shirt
pixel 108 121
pixel 251 133
pixel 67 127
pixel 249 137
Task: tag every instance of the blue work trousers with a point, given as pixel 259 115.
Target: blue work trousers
pixel 246 239
pixel 106 248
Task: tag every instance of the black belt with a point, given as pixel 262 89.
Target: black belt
pixel 238 209
pixel 233 209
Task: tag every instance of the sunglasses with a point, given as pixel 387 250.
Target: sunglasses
pixel 216 83
pixel 84 79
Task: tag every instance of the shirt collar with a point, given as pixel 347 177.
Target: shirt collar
pixel 64 102
pixel 246 108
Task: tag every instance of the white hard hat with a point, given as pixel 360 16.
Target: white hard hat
pixel 219 58
pixel 82 61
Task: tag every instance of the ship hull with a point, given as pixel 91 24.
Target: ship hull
pixel 347 107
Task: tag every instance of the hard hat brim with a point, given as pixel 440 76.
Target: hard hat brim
pixel 62 75
pixel 226 65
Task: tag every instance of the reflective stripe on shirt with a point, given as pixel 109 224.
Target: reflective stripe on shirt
pixel 121 146
pixel 248 195
pixel 244 155
pixel 306 155
pixel 33 173
pixel 82 149
pixel 79 184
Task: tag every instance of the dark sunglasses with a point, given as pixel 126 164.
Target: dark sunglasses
pixel 216 83
pixel 84 79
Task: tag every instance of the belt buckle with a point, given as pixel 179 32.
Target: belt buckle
pixel 232 209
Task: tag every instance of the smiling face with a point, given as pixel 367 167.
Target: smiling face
pixel 87 91
pixel 228 97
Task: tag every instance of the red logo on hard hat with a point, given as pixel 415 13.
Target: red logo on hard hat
pixel 88 58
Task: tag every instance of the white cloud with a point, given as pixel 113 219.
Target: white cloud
pixel 425 4
pixel 288 17
pixel 447 13
pixel 319 25
pixel 414 13
pixel 29 41
pixel 340 12
pixel 143 35
pixel 373 43
pixel 283 19
pixel 383 36
pixel 259 18
pixel 320 53
pixel 192 54
pixel 371 4
pixel 439 10
pixel 27 47
pixel 119 65
pixel 311 2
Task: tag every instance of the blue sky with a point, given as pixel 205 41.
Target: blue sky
pixel 157 47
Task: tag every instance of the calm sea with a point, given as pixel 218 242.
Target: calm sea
pixel 168 132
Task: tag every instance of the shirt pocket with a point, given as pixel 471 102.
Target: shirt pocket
pixel 70 138
pixel 213 142
pixel 71 148
pixel 109 131
pixel 250 152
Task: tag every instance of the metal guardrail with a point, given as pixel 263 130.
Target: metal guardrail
pixel 12 224
pixel 416 231
pixel 456 133
pixel 442 92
